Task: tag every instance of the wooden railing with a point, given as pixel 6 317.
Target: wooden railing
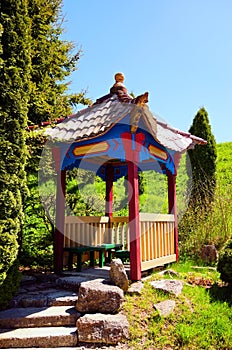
pixel 157 240
pixel 85 230
pixel 156 230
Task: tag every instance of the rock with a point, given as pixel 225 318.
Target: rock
pixel 62 297
pixel 171 286
pixel 99 328
pixel 70 282
pixel 136 288
pixel 96 296
pixel 27 279
pixel 30 300
pixel 118 274
pixel 165 308
pixel 209 253
pixel 170 273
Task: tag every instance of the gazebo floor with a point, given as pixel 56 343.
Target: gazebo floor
pixel 94 272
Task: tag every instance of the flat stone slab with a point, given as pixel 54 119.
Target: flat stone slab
pixel 99 328
pixel 38 337
pixel 50 297
pixel 62 298
pixel 70 282
pixel 136 288
pixel 27 280
pixel 170 286
pixel 165 308
pixel 29 300
pixel 97 296
pixel 170 273
pixel 38 317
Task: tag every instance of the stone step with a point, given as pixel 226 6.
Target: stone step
pixel 45 337
pixel 38 317
pixel 49 297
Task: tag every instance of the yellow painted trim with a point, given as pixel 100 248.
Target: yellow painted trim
pixel 157 152
pixel 92 148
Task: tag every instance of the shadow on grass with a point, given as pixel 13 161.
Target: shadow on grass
pixel 221 293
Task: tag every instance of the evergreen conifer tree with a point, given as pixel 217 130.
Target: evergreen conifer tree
pixel 203 163
pixel 14 91
pixel 52 61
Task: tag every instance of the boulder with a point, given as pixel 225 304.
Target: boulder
pixel 170 286
pixel 99 328
pixel 118 274
pixel 98 296
pixel 209 253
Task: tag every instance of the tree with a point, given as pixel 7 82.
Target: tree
pixel 203 163
pixel 14 91
pixel 52 61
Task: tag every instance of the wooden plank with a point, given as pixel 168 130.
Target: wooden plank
pixel 143 240
pixel 86 219
pixel 146 265
pixel 148 240
pixel 156 217
pixel 152 246
pixel 119 219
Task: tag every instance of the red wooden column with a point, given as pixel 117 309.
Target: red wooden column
pixel 132 145
pixel 172 206
pixel 133 193
pixel 109 190
pixel 60 213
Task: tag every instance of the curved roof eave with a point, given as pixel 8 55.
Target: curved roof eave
pixel 98 119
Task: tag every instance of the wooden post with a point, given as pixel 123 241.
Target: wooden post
pixel 133 193
pixel 132 145
pixel 60 213
pixel 109 190
pixel 172 206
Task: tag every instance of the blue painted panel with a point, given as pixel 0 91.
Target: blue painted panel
pixel 115 150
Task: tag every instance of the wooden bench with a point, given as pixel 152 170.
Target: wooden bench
pixel 122 254
pixel 101 248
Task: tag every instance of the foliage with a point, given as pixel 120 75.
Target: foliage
pixel 37 227
pixel 199 320
pixel 203 163
pixel 196 229
pixel 10 285
pixel 225 262
pixel 53 61
pixel 14 91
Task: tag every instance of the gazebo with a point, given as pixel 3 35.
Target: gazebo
pixel 118 136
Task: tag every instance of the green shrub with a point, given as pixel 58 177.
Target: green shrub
pixel 10 285
pixel 225 262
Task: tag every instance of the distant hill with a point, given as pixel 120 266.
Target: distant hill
pixel 224 166
pixel 155 196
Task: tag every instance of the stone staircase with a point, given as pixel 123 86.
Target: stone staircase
pixel 43 313
pixel 40 316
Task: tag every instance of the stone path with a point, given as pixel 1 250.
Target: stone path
pixel 43 314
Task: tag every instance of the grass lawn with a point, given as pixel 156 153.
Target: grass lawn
pixel 202 318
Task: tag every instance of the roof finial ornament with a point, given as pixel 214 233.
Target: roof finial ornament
pixel 118 86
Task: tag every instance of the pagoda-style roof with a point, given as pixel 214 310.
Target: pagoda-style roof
pixel 99 118
pixel 113 129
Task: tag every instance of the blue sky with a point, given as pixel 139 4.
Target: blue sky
pixel 180 51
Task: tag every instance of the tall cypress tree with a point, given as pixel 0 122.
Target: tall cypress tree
pixel 203 163
pixel 14 91
pixel 52 61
